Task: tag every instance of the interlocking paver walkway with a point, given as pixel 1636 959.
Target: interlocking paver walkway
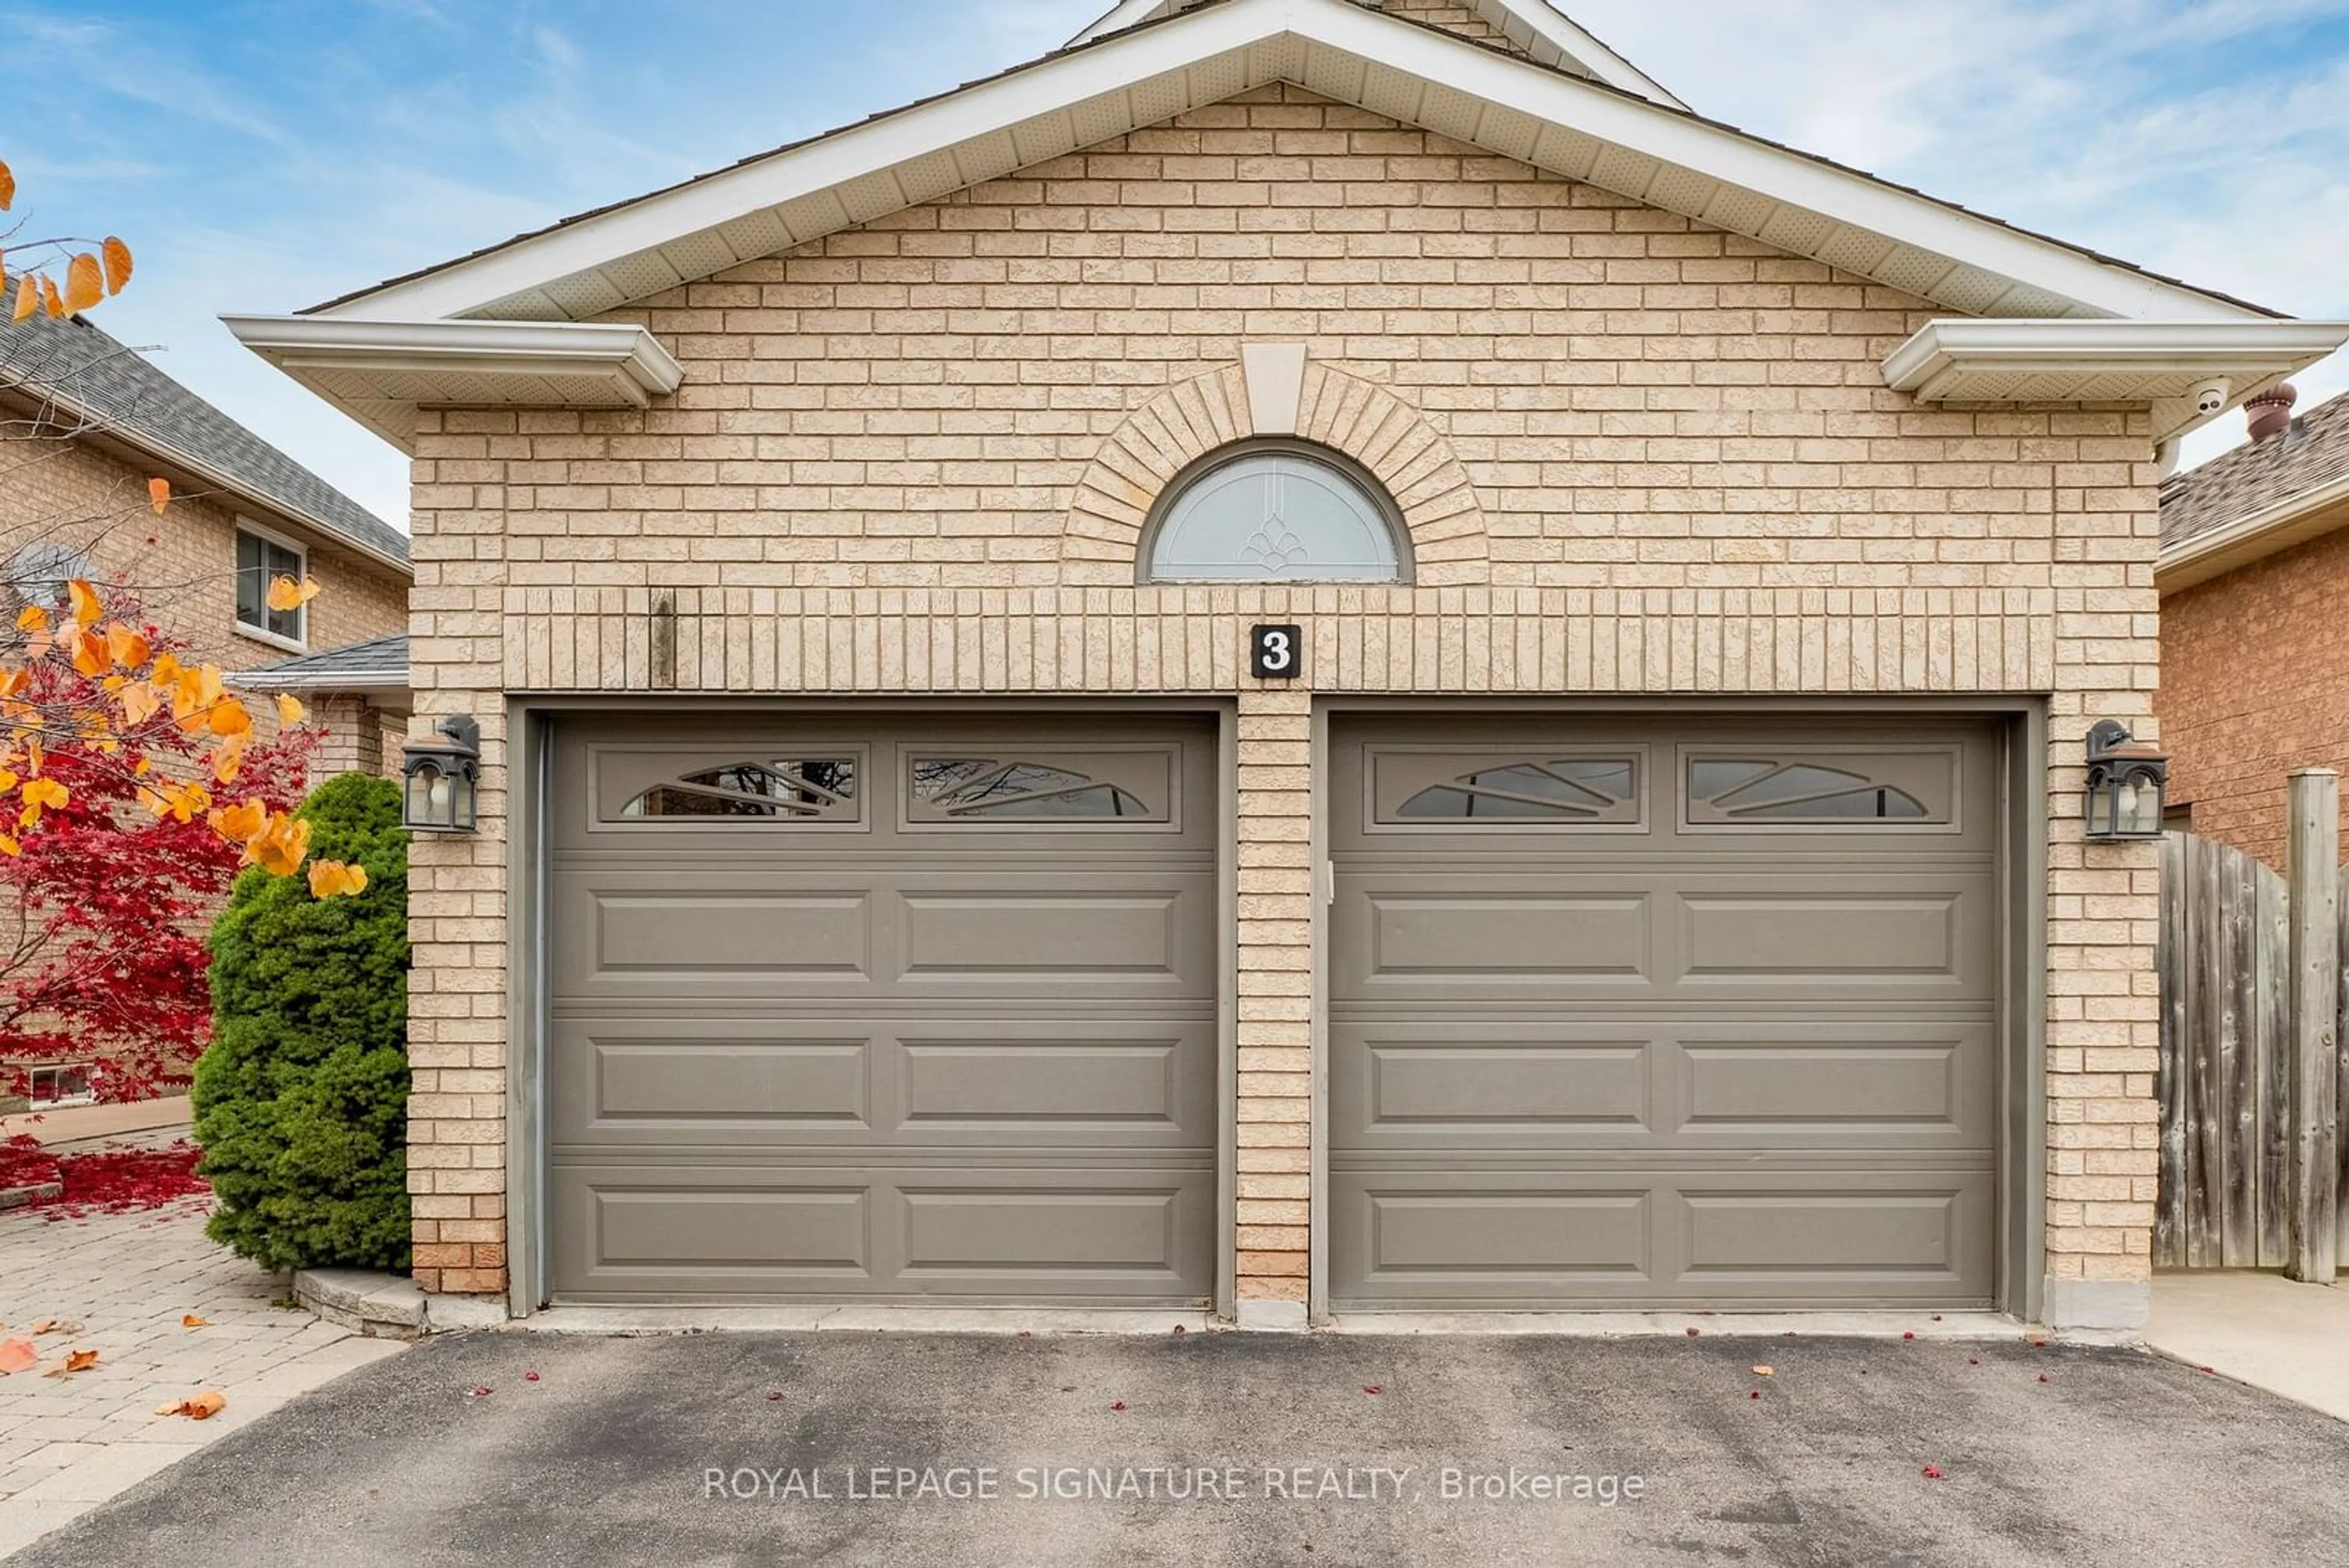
pixel 67 1444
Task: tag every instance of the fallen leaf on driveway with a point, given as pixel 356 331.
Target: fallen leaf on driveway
pixel 1766 1372
pixel 190 1320
pixel 533 1377
pixel 1373 1388
pixel 1695 1332
pixel 16 1355
pixel 75 1361
pixel 201 1407
pixel 1119 1404
pixel 484 1392
pixel 1932 1472
pixel 54 1326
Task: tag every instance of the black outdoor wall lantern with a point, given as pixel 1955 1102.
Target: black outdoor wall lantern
pixel 2127 780
pixel 442 779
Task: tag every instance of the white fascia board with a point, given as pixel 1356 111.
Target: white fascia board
pixel 641 367
pixel 1119 63
pixel 985 108
pixel 261 679
pixel 1785 176
pixel 1117 19
pixel 2294 520
pixel 1540 17
pixel 1576 42
pixel 1940 352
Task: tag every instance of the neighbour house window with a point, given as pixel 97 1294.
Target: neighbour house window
pixel 261 560
pixel 61 1085
pixel 38 573
pixel 1275 512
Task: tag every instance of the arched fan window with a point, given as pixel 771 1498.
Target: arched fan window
pixel 1272 513
pixel 812 789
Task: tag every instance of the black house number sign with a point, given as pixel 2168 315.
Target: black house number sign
pixel 1276 652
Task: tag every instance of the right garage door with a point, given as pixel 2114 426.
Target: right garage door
pixel 1664 1013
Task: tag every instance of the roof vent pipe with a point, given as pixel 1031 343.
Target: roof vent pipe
pixel 2270 413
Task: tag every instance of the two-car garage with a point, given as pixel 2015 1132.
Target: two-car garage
pixel 931 1006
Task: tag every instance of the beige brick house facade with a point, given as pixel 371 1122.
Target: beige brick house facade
pixel 1645 466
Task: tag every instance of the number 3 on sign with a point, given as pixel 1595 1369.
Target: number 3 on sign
pixel 1276 652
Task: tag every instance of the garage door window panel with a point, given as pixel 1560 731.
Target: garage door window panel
pixel 783 789
pixel 1821 789
pixel 1438 790
pixel 1038 790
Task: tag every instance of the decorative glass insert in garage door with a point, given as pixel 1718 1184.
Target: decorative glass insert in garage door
pixel 1435 789
pixel 1824 789
pixel 797 788
pixel 1038 788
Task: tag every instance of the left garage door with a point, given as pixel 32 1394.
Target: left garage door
pixel 846 1009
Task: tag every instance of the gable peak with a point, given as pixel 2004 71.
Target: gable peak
pixel 1535 30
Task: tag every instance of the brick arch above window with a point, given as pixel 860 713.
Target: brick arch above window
pixel 1365 421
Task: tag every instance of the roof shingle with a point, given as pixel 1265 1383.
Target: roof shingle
pixel 2314 451
pixel 379 662
pixel 127 395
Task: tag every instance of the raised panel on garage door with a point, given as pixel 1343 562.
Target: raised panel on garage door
pixel 1663 1012
pixel 913 1008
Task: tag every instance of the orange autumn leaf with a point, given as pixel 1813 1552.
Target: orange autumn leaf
pixel 37 794
pixel 87 608
pixel 117 264
pixel 190 1320
pixel 16 1355
pixel 126 646
pixel 87 651
pixel 140 704
pixel 75 1361
pixel 32 617
pixel 201 1407
pixel 289 710
pixel 278 849
pixel 85 284
pixel 332 878
pixel 158 495
pixel 286 593
pixel 229 717
pixel 228 759
pixel 10 847
pixel 240 823
pixel 51 300
pixel 7 186
pixel 28 298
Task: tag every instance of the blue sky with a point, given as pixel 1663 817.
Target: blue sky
pixel 266 155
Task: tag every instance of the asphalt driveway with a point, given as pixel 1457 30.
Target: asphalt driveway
pixel 1229 1449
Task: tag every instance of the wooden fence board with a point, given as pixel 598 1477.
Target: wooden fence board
pixel 2224 1079
pixel 2170 1210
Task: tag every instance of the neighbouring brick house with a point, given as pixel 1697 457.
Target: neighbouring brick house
pixel 88 420
pixel 2254 647
pixel 84 421
pixel 1314 658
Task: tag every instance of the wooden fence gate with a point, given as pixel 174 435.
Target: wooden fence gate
pixel 2228 1060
